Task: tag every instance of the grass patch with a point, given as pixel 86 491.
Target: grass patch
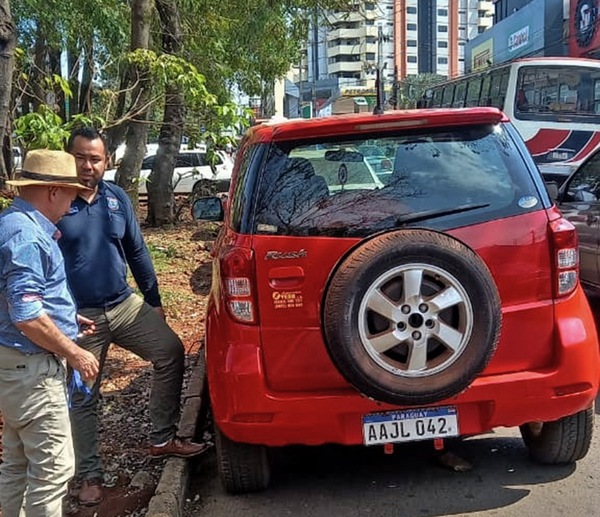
pixel 162 256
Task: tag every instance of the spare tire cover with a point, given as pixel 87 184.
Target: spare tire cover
pixel 411 317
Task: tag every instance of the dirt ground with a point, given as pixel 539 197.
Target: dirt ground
pixel 181 258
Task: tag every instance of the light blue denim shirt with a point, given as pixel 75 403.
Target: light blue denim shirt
pixel 32 276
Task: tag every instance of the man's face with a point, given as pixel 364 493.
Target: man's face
pixel 61 198
pixel 90 157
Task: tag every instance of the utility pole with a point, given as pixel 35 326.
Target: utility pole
pixel 379 74
pixel 394 99
pixel 315 63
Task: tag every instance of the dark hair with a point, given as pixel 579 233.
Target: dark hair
pixel 89 133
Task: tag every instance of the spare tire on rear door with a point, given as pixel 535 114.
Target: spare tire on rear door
pixel 411 317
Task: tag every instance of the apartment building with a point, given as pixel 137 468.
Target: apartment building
pixel 410 36
pixel 431 35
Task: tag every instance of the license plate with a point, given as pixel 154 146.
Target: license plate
pixel 560 155
pixel 410 425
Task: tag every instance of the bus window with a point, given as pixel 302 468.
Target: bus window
pixel 473 89
pixel 597 96
pixel 484 97
pixel 552 92
pixel 436 100
pixel 447 96
pixel 499 83
pixel 459 95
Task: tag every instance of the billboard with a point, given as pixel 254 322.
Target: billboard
pixel 584 37
pixel 482 55
pixel 522 34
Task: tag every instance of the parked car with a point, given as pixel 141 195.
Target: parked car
pixel 192 172
pixel 444 303
pixel 381 164
pixel 555 173
pixel 579 201
pixel 17 157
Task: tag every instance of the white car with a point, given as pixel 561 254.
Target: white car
pixel 192 172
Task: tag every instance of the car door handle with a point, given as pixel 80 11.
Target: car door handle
pixel 286 277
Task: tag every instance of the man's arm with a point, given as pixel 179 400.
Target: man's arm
pixel 138 256
pixel 44 333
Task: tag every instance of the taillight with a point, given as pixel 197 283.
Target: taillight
pixel 565 256
pixel 237 270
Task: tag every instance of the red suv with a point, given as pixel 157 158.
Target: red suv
pixel 441 299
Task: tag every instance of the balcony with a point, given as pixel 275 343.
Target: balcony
pixel 359 48
pixel 345 66
pixel 359 32
pixel 346 17
pixel 486 6
pixel 485 23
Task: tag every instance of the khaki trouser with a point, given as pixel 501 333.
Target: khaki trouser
pixel 38 459
pixel 134 326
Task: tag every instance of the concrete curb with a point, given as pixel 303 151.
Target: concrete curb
pixel 169 498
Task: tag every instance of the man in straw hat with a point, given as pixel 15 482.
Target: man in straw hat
pixel 38 326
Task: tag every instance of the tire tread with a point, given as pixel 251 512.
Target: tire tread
pixel 243 467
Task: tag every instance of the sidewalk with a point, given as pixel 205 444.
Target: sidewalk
pixel 169 497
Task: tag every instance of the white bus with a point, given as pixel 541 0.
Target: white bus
pixel 554 102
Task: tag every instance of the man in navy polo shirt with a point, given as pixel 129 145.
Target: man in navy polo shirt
pixel 100 238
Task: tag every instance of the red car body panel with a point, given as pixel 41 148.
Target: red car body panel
pixel 288 391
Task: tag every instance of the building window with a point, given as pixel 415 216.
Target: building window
pixel 442 44
pixel 370 56
pixel 369 22
pixel 411 59
pixel 442 60
pixel 411 10
pixel 369 6
pixel 442 28
pixel 442 12
pixel 411 42
pixel 411 26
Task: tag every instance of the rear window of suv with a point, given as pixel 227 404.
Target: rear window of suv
pixel 440 179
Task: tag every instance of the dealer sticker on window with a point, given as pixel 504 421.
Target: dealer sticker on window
pixel 410 425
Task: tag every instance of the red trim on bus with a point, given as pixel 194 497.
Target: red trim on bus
pixel 546 139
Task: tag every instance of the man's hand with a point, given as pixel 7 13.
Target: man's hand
pixel 85 363
pixel 86 326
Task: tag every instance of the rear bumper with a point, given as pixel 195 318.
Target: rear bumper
pixel 247 411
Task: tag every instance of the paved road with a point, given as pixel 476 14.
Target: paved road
pixel 357 481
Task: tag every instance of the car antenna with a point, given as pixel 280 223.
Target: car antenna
pixel 378 110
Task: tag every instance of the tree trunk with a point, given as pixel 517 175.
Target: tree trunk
pixel 74 67
pixel 161 200
pixel 59 96
pixel 129 170
pixel 115 134
pixel 39 71
pixel 85 94
pixel 8 38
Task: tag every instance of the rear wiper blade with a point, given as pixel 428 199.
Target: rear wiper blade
pixel 432 214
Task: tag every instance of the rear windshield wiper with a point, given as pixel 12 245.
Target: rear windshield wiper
pixel 432 214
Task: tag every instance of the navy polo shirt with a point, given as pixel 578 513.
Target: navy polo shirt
pixel 99 239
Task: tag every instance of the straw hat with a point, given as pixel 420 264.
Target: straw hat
pixel 45 167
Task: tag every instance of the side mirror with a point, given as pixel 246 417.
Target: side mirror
pixel 208 209
pixel 552 188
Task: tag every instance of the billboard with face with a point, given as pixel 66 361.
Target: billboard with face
pixel 584 37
